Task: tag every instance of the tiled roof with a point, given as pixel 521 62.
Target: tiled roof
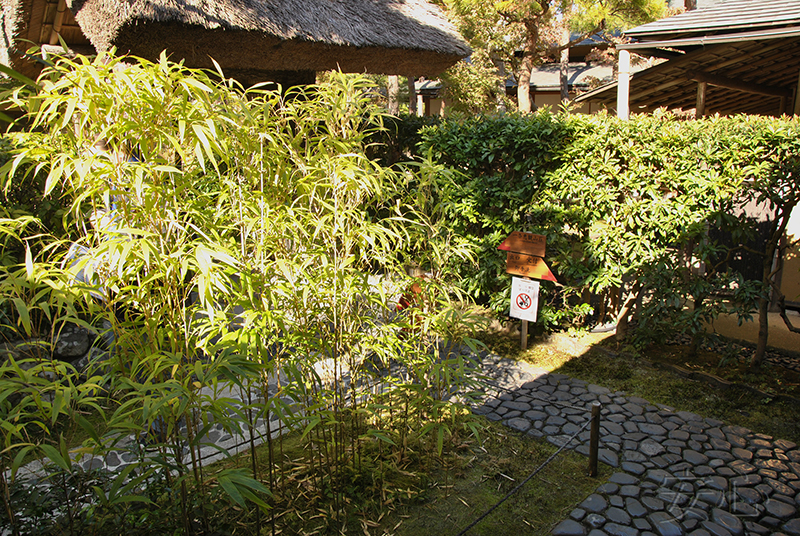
pixel 724 17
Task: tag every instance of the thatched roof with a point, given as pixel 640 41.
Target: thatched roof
pixel 408 37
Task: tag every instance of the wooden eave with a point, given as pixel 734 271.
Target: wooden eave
pixel 722 18
pixel 757 76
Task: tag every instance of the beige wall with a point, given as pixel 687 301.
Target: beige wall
pixel 790 277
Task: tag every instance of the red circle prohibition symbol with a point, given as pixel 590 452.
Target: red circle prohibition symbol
pixel 523 301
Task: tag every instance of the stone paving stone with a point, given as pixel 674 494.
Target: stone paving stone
pixel 682 473
pixel 569 527
pixel 728 521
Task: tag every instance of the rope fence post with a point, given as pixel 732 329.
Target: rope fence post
pixel 594 439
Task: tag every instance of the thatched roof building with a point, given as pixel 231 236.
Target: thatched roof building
pixel 252 40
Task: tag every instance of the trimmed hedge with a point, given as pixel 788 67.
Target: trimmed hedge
pixel 624 204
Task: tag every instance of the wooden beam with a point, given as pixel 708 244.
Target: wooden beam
pixel 739 85
pixel 656 89
pixel 757 52
pixel 797 96
pixel 700 106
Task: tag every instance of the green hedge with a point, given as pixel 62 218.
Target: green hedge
pixel 624 204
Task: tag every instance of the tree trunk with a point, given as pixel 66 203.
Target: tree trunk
pixel 500 65
pixel 412 96
pixel 524 87
pixel 564 78
pixel 778 228
pixel 393 89
pixel 526 66
pixel 624 312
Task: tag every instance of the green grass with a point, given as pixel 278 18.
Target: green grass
pixel 443 499
pixel 484 475
pixel 733 405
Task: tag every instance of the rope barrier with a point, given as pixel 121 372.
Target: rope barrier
pixel 530 476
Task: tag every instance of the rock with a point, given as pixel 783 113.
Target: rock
pixel 651 448
pixel 569 527
pixel 779 509
pixel 614 529
pixel 714 529
pixel 608 457
pixel 728 521
pixel 594 503
pixel 595 521
pixel 618 515
pixel 665 524
pixel 792 527
pixel 520 424
pixel 623 479
pixel 73 342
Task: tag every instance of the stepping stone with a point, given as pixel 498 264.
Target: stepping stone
pixel 780 487
pixel 720 455
pixel 634 409
pixel 742 454
pixel 665 524
pixel 695 458
pixel 661 477
pixel 569 527
pixel 635 508
pixel 594 503
pixel 608 457
pixel 715 482
pixel 779 509
pixel 728 521
pixel 652 429
pixel 792 528
pixel 689 416
pixel 630 491
pixel 577 514
pixel 613 529
pixel 597 390
pixel 520 424
pixel 651 448
pixel 617 515
pixel 595 521
pixel 755 528
pixel 633 467
pixel 612 428
pixel 609 488
pixel 742 467
pixel 623 479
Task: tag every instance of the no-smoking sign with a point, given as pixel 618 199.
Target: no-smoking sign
pixel 524 299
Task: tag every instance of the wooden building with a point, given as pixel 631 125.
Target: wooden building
pixel 252 40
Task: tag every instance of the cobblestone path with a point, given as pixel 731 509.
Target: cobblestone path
pixel 679 473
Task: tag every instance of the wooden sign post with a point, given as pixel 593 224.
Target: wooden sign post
pixel 525 258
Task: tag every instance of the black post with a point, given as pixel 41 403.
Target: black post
pixel 594 439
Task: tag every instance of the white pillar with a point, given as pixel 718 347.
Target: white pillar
pixel 624 85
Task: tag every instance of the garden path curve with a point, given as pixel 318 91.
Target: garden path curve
pixel 679 473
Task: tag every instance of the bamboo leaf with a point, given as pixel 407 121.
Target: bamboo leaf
pixel 54 456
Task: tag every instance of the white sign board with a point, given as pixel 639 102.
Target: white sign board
pixel 524 298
